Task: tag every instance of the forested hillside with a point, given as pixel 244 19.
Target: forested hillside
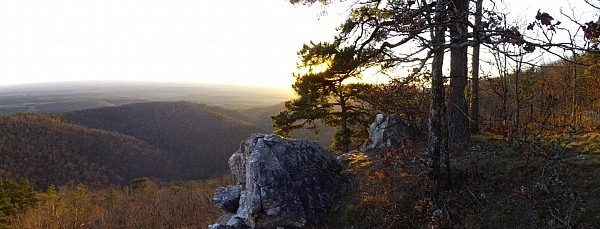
pixel 197 138
pixel 113 145
pixel 48 150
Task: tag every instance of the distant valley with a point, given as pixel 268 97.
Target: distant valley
pixel 112 133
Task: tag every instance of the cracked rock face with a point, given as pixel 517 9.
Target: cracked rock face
pixel 280 183
pixel 227 199
pixel 387 131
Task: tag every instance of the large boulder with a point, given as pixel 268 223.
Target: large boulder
pixel 280 183
pixel 387 131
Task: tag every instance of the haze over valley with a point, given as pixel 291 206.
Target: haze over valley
pixel 69 96
pixel 108 133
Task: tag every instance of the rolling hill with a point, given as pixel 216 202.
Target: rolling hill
pixel 113 145
pixel 197 138
pixel 47 150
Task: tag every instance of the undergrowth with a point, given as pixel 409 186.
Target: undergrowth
pixel 142 204
pixel 495 184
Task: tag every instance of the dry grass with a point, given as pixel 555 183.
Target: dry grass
pixel 143 205
pixel 588 143
pixel 495 184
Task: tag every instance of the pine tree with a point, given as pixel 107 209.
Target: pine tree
pixel 325 94
pixel 15 197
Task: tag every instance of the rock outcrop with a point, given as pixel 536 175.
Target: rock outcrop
pixel 387 131
pixel 280 183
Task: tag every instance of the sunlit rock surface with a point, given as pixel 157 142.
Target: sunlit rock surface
pixel 280 183
pixel 388 130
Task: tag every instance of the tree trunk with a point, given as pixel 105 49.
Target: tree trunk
pixel 474 108
pixel 344 119
pixel 435 133
pixel 458 76
pixel 458 81
pixel 574 111
pixel 518 96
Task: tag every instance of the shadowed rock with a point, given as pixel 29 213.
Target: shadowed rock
pixel 281 183
pixel 387 131
pixel 227 199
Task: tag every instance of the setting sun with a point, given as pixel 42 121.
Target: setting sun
pixel 226 42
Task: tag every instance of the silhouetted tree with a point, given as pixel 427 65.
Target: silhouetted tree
pixel 325 94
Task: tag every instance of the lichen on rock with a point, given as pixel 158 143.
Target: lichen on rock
pixel 281 183
pixel 388 130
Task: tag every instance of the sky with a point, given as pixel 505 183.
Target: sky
pixel 225 41
pixel 238 42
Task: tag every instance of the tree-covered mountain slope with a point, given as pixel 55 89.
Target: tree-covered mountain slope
pixel 48 150
pixel 197 138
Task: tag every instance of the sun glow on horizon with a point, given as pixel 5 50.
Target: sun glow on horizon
pixel 235 42
pixel 220 42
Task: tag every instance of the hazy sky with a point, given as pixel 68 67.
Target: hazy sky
pixel 220 41
pixel 224 41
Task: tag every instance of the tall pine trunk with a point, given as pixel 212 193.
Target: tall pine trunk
pixel 458 82
pixel 345 131
pixel 435 133
pixel 458 75
pixel 474 107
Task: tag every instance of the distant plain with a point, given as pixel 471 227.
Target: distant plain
pixel 61 97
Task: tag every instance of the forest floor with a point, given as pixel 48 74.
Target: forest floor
pixel 492 184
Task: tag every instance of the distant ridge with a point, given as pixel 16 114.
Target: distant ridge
pixel 57 97
pixel 197 138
